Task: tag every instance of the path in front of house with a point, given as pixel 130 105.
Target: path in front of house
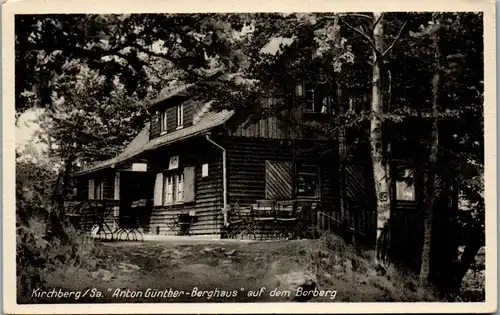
pixel 208 269
pixel 203 264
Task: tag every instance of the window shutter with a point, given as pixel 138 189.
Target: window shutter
pixel 189 188
pixel 279 180
pixel 91 189
pixel 180 187
pixel 157 200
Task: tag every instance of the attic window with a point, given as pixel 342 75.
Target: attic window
pixel 315 97
pixel 180 116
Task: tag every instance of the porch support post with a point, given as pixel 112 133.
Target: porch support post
pixel 117 192
pixel 224 180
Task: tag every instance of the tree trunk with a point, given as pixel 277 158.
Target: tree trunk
pixel 467 259
pixel 433 185
pixel 344 228
pixel 342 155
pixel 61 191
pixel 380 168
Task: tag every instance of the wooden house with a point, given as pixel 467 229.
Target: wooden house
pixel 191 162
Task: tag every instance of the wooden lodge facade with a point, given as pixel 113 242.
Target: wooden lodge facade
pixel 192 165
pixel 190 160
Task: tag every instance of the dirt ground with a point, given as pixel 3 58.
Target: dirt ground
pixel 182 266
pixel 215 271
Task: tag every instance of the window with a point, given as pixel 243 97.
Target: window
pixel 309 98
pixel 163 121
pixel 316 98
pixel 173 188
pixel 307 181
pixel 180 116
pixel 204 170
pixel 180 188
pixel 405 186
pixel 271 102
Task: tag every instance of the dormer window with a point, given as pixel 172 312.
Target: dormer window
pixel 163 121
pixel 180 116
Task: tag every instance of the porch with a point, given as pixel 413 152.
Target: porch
pixel 272 219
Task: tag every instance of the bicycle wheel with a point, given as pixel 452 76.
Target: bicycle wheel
pixel 247 234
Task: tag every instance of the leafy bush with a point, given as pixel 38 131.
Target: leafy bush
pixel 37 255
pixel 353 272
pixel 37 252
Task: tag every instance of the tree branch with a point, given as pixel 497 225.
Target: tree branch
pixel 377 21
pixel 362 34
pixel 395 39
pixel 360 15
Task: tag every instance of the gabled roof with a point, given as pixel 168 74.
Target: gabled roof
pixel 141 143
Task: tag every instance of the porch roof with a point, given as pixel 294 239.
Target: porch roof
pixel 141 143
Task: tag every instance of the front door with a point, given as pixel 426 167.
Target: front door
pixel 136 186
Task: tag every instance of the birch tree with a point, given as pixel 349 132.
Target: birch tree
pixel 379 148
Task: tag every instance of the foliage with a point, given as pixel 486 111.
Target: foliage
pixel 34 188
pixel 35 253
pixel 84 125
pixel 37 257
pixel 95 73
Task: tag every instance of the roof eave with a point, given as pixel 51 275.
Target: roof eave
pixel 96 169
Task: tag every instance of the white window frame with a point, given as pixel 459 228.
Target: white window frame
pixel 180 116
pixel 205 170
pixel 168 197
pixel 180 187
pixel 402 190
pixel 163 121
pixel 173 188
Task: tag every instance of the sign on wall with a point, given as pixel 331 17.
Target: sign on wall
pixel 204 170
pixel 139 167
pixel 174 163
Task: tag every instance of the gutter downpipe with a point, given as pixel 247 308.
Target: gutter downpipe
pixel 224 179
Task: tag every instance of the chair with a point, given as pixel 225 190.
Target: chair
pixel 99 217
pixel 185 222
pixel 240 223
pixel 286 217
pixel 234 223
pixel 305 227
pixel 128 225
pixel 264 213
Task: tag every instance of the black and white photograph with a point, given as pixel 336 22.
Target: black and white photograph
pixel 302 157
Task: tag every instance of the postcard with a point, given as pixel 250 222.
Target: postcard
pixel 248 157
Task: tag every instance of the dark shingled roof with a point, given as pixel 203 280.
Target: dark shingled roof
pixel 141 142
pixel 176 89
